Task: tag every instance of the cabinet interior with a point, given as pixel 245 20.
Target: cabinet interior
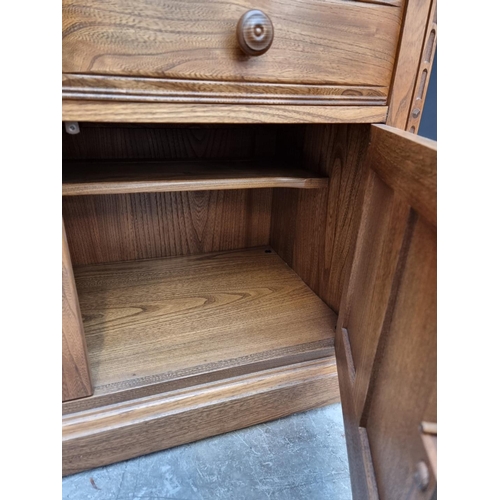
pixel 205 252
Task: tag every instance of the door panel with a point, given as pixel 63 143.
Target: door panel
pixel 75 370
pixel 383 227
pixel 386 332
pixel 406 374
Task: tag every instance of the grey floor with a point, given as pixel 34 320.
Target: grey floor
pixel 299 457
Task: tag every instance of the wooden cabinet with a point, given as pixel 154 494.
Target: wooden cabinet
pixel 241 240
pixel 187 51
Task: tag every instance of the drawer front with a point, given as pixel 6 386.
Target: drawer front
pixel 332 42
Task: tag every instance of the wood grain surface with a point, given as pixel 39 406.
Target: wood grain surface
pixel 139 226
pixel 155 321
pixel 84 178
pixel 411 45
pixel 381 238
pixel 385 334
pixel 407 166
pixel 130 141
pixel 314 42
pixel 76 381
pixel 315 232
pixel 362 474
pixel 141 89
pixel 424 72
pixel 148 112
pixel 113 228
pixel 106 435
pixel 406 374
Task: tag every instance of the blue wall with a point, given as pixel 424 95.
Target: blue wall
pixel 428 123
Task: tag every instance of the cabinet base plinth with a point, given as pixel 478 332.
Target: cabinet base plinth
pixel 126 430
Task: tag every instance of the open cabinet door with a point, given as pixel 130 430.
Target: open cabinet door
pixel 76 382
pixel 386 332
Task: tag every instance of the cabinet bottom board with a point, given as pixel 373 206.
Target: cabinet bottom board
pixel 160 325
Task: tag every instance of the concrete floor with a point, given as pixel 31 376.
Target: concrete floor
pixel 299 457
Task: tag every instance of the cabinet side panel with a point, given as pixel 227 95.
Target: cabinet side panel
pixel 424 72
pixel 315 232
pixel 407 72
pixel 75 371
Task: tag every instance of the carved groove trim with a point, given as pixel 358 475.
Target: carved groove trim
pixel 409 52
pixel 424 73
pixel 106 88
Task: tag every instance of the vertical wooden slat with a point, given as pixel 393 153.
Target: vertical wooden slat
pixel 411 48
pixel 424 72
pixel 76 381
pixel 360 465
pixel 315 232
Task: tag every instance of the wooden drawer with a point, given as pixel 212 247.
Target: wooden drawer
pixel 324 50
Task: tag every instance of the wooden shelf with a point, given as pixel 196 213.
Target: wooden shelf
pixel 90 178
pixel 158 325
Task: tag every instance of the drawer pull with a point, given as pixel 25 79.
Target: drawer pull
pixel 255 33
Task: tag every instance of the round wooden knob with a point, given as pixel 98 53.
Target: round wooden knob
pixel 255 33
